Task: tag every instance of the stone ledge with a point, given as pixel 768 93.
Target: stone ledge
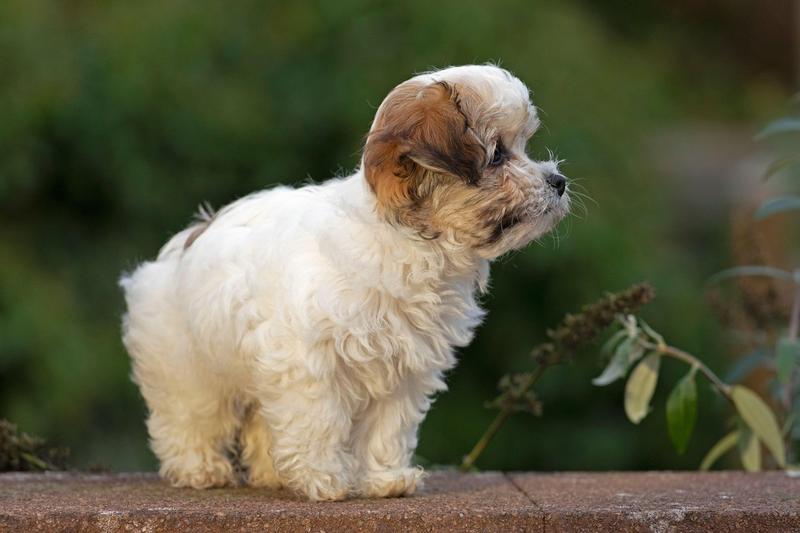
pixel 490 501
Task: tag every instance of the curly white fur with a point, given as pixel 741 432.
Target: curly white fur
pixel 315 329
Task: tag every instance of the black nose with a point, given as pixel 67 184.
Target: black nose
pixel 558 182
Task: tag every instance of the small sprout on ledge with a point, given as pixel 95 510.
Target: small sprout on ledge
pixel 22 452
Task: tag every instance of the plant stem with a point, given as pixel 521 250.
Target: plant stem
pixel 499 420
pixel 574 331
pixel 794 325
pixel 480 446
pixel 794 321
pixel 675 353
pixel 788 387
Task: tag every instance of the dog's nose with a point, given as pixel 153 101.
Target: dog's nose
pixel 558 182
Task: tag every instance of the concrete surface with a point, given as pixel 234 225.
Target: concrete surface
pixel 490 501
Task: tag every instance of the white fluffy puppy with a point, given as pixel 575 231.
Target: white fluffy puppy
pixel 314 325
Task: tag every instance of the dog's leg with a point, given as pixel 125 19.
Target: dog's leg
pixel 191 441
pixel 256 442
pixel 193 419
pixel 384 442
pixel 310 427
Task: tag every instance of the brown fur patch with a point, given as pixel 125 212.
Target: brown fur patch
pixel 420 128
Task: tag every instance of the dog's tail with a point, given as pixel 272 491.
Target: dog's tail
pixel 203 218
pixel 205 213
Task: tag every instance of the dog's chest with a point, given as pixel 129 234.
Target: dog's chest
pixel 414 344
pixel 430 322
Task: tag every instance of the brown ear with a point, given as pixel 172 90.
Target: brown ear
pixel 419 127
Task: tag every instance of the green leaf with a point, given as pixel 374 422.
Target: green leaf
pixel 640 388
pixel 631 325
pixel 780 126
pixel 786 358
pixel 682 411
pixel 780 164
pixel 653 334
pixel 787 425
pixel 722 447
pixel 635 354
pixel 749 451
pixel 750 270
pixel 613 341
pixel 618 365
pixel 760 419
pixel 773 206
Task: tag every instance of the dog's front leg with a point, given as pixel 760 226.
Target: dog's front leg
pixel 384 441
pixel 310 426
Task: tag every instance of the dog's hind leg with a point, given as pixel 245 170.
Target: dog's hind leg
pixel 192 442
pixel 256 455
pixel 193 418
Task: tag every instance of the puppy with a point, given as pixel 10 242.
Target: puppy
pixel 311 327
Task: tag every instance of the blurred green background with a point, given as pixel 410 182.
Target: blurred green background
pixel 118 118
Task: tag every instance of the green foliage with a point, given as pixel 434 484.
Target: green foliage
pixel 624 356
pixel 757 420
pixel 573 332
pixel 576 330
pixel 749 450
pixel 761 424
pixel 629 344
pixel 682 411
pixel 725 444
pixel 21 452
pixel 760 420
pixel 516 395
pixel 640 388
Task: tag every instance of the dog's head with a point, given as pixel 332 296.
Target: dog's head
pixel 446 157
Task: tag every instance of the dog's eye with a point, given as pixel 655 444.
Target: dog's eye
pixel 498 157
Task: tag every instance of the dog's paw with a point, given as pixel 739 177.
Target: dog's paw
pixel 389 483
pixel 203 471
pixel 324 487
pixel 263 478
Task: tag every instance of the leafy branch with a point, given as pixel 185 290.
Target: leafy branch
pixel 574 331
pixel 637 343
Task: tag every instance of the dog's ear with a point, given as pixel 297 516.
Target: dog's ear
pixel 419 127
